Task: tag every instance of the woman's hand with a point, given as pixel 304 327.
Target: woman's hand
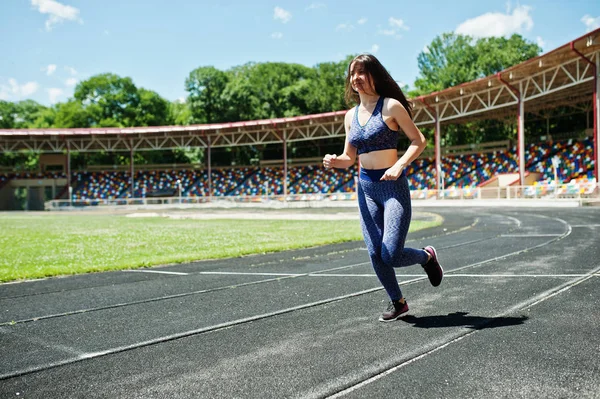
pixel 329 161
pixel 393 173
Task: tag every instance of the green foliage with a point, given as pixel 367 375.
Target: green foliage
pixel 21 161
pixel 180 113
pixel 267 90
pixel 8 113
pixel 152 110
pixel 205 86
pixel 19 115
pixel 72 114
pixel 46 118
pixel 110 99
pixel 498 53
pixel 452 59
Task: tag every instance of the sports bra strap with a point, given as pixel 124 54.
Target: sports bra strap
pixel 379 105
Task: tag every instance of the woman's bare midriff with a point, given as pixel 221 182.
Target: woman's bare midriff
pixel 378 159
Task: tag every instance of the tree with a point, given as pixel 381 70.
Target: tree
pixel 495 54
pixel 152 110
pixel 331 81
pixel 19 115
pixel 8 112
pixel 46 118
pixel 267 90
pixel 452 59
pixel 110 99
pixel 72 114
pixel 179 113
pixel 205 86
pixel 448 61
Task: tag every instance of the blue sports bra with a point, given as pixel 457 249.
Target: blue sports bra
pixel 375 135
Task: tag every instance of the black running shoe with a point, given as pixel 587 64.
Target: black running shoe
pixel 394 311
pixel 433 268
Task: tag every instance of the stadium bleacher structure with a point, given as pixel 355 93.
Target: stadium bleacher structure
pixel 460 172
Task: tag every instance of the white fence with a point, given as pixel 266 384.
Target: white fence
pixel 582 192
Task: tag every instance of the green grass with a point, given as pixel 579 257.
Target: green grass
pixel 42 245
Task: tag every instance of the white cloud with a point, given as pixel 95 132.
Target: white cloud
pixel 70 82
pixel 28 88
pixel 397 23
pixel 71 70
pixel 387 32
pixel 314 6
pixel 498 24
pixel 362 21
pixel 276 35
pixel 49 69
pixel 590 22
pixel 53 94
pixel 282 15
pixel 57 12
pixel 345 27
pixel 540 42
pixel 15 91
pixel 374 48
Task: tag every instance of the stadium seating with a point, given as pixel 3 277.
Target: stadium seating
pixel 575 157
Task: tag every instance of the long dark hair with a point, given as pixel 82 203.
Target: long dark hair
pixel 382 81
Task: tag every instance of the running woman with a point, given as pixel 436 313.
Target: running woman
pixel 372 130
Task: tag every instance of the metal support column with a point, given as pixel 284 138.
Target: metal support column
pixel 69 188
pixel 517 94
pixel 521 134
pixel 438 151
pixel 131 170
pixel 209 150
pixel 285 167
pixel 596 119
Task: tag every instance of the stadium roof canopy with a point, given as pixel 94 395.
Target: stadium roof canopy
pixel 564 76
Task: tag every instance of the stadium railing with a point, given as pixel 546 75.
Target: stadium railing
pixel 580 191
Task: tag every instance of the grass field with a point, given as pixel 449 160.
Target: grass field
pixel 41 245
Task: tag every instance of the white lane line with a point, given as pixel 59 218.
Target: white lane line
pixel 171 337
pixel 530 235
pixel 517 221
pixel 349 275
pixel 515 275
pixel 254 274
pixel 155 271
pixel 585 225
pixel 450 274
pixel 528 303
pixel 166 297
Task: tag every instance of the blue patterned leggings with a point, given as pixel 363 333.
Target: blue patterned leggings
pixel 385 211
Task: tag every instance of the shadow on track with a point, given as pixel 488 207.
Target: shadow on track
pixel 458 319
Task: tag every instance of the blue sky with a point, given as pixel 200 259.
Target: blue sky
pixel 50 45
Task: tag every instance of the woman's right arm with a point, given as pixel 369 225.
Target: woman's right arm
pixel 348 157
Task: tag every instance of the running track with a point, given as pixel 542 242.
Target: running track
pixel 517 315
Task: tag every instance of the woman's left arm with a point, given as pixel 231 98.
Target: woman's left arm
pixel 417 141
